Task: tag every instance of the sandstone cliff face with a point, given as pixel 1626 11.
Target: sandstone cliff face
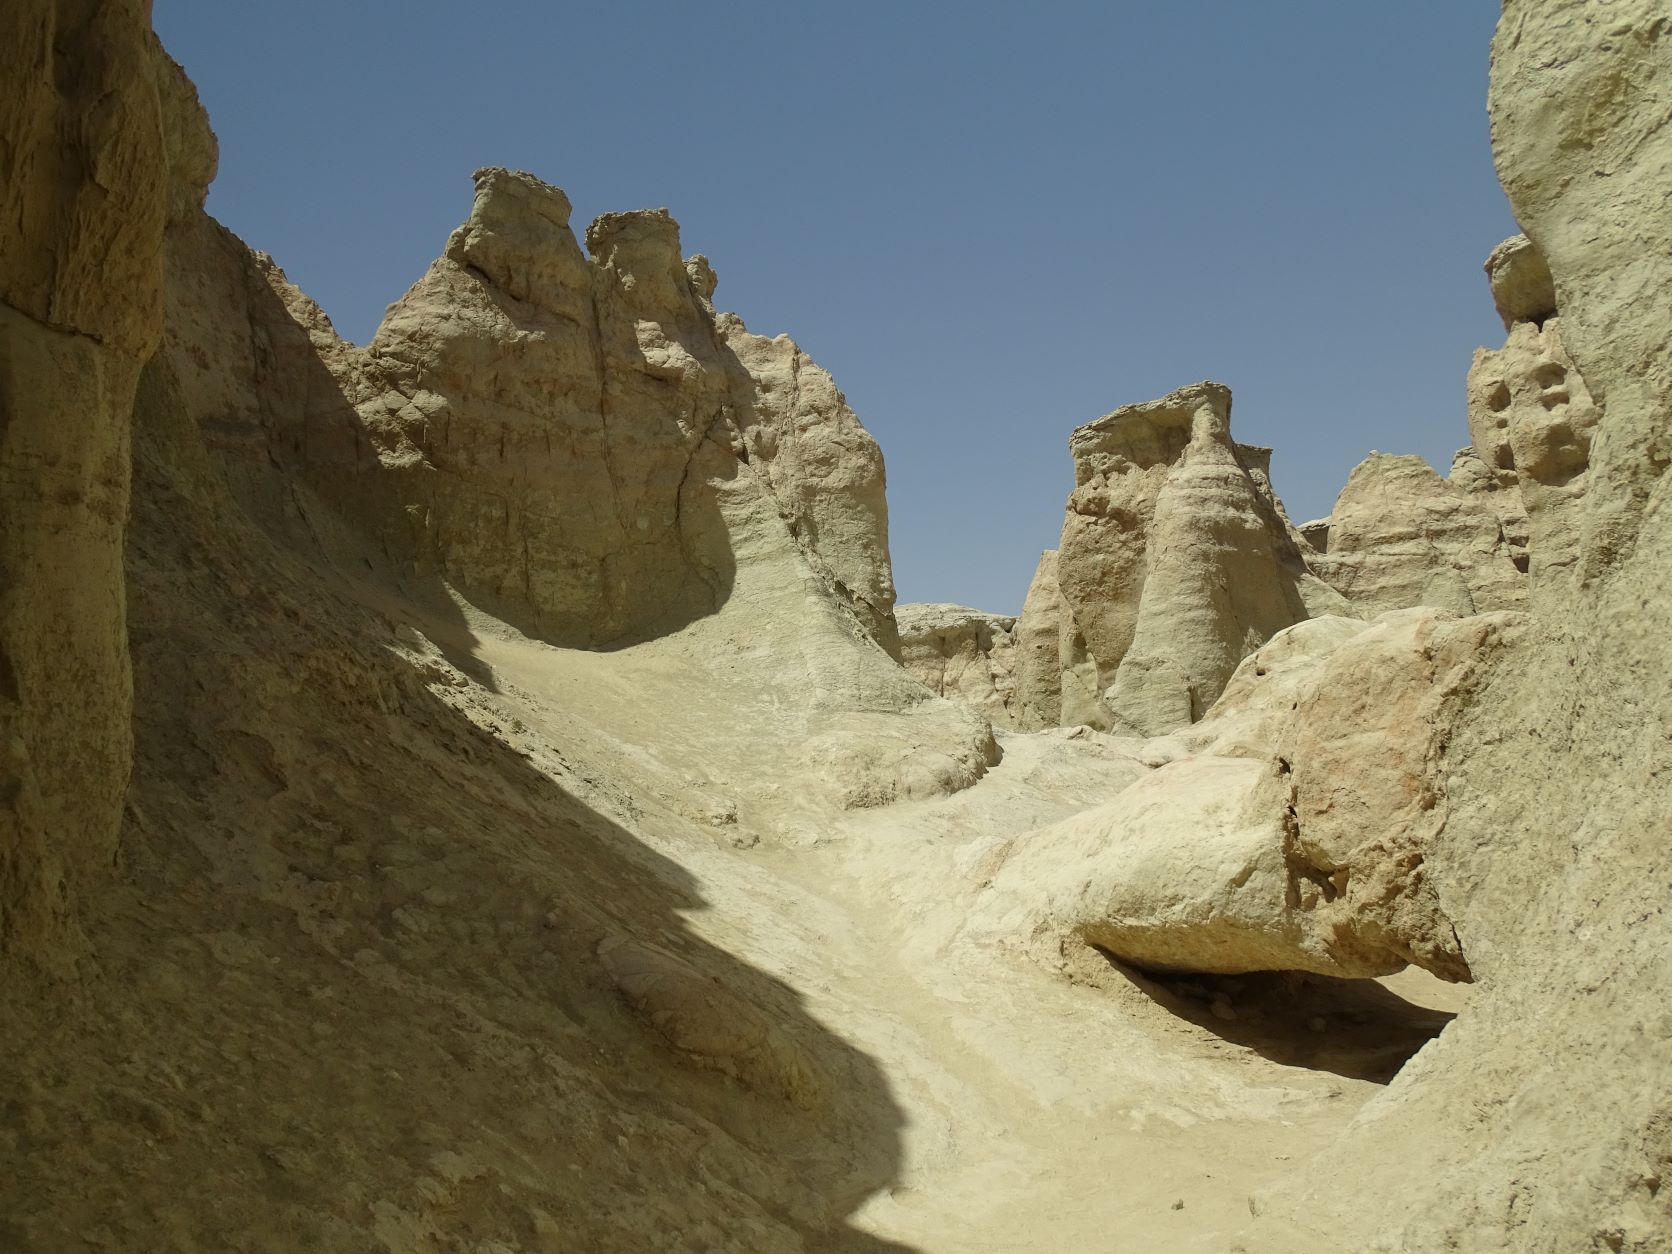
pixel 1042 670
pixel 83 195
pixel 1175 562
pixel 590 481
pixel 555 425
pixel 1401 536
pixel 1544 1104
pixel 967 655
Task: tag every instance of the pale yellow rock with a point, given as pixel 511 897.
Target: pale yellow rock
pixel 1040 642
pixel 1521 284
pixel 1175 560
pixel 1401 536
pixel 822 466
pixel 1268 837
pixel 967 655
pixel 1532 420
pixel 1541 1110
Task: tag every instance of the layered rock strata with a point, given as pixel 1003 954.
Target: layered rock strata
pixel 967 655
pixel 551 430
pixel 1175 562
pixel 1401 536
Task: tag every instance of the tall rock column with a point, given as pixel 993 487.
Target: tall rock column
pixel 83 197
pixel 1176 562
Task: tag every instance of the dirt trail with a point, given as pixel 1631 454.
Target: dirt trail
pixel 1042 1110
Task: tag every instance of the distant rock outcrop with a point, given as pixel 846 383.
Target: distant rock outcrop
pixel 1176 561
pixel 1402 536
pixel 968 655
pixel 556 425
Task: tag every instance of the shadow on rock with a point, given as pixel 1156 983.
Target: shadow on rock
pixel 370 978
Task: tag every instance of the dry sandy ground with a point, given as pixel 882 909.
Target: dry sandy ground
pixel 1055 1106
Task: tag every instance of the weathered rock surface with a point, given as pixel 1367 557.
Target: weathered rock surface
pixel 1532 420
pixel 824 470
pixel 1175 561
pixel 1402 536
pixel 967 655
pixel 1040 644
pixel 1543 1106
pixel 557 427
pixel 1522 287
pixel 83 196
pixel 1267 838
pixel 774 515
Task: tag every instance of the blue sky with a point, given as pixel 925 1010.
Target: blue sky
pixel 990 222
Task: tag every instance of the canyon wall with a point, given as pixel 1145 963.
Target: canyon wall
pixel 82 205
pixel 1543 1107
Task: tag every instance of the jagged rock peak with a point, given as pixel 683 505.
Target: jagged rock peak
pixel 518 237
pixel 1152 431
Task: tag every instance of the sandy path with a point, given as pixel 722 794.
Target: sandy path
pixel 1039 1113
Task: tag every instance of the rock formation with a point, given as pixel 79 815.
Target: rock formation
pixel 1532 419
pixel 1522 288
pixel 1266 839
pixel 1401 536
pixel 493 848
pixel 82 203
pixel 1175 562
pixel 1542 1105
pixel 967 655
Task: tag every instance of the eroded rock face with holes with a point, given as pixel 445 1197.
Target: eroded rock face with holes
pixel 1532 420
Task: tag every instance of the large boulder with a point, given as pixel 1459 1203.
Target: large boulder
pixel 1522 288
pixel 1290 829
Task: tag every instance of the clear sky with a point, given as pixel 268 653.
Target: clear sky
pixel 991 222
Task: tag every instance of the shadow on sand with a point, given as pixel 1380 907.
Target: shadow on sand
pixel 1352 1028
